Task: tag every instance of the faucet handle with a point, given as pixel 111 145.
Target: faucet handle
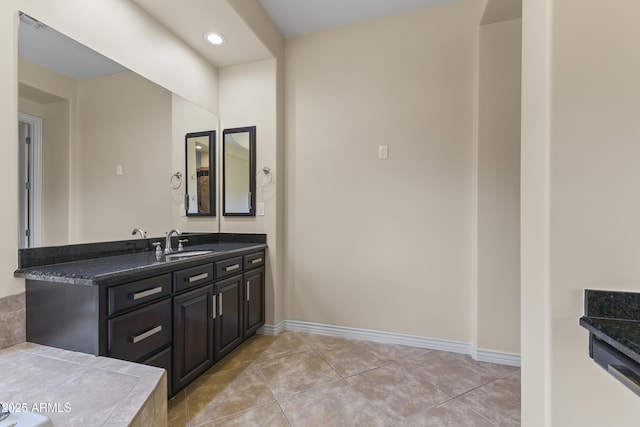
pixel 180 242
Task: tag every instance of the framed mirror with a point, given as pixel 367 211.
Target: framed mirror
pixel 239 171
pixel 200 197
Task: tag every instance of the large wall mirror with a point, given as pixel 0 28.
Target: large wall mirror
pixel 200 170
pixel 110 141
pixel 239 171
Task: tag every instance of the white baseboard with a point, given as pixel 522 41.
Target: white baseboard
pixel 491 356
pixel 273 329
pixel 452 346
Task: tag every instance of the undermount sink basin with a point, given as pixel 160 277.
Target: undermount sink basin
pixel 185 254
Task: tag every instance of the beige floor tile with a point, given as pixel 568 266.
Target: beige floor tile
pixel 354 357
pixel 333 404
pixel 453 413
pixel 282 345
pixel 397 392
pixel 262 416
pixel 316 341
pixel 214 396
pixel 390 384
pixel 455 373
pixel 177 410
pixel 241 357
pixel 296 372
pixel 498 401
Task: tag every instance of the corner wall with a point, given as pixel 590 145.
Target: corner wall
pixel 497 321
pixel 383 244
pixel 580 205
pixel 248 97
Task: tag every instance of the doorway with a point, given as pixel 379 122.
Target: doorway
pixel 29 181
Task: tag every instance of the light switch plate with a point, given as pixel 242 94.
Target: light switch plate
pixel 260 209
pixel 383 151
pixel 118 170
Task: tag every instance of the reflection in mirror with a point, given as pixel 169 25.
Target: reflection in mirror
pixel 109 141
pixel 239 171
pixel 200 167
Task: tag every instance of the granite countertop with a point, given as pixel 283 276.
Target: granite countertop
pixel 614 317
pixel 111 269
pixel 61 384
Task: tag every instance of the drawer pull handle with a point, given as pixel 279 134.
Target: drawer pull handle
pixel 197 277
pixel 147 293
pixel 220 305
pixel 143 336
pixel 232 267
pixel 213 304
pixel 626 377
pixel 248 290
pixel 256 261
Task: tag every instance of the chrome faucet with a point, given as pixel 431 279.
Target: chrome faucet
pixel 167 243
pixel 143 234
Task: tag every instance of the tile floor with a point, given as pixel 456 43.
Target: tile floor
pixel 298 379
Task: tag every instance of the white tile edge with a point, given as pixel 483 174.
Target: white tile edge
pixel 452 346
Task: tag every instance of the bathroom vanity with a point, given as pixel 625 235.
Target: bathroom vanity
pixel 182 312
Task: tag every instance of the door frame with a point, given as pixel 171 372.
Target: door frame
pixel 35 213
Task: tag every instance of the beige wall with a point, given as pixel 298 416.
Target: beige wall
pixel 498 277
pixel 91 23
pixel 383 244
pixel 248 97
pixel 580 176
pixel 55 174
pixel 124 120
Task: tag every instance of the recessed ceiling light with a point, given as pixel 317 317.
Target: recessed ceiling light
pixel 214 38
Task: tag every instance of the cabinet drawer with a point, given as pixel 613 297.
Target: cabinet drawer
pixel 254 260
pixel 137 293
pixel 228 267
pixel 194 276
pixel 137 334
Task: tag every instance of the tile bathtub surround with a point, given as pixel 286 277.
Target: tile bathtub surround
pixel 83 390
pixel 12 320
pixel 299 379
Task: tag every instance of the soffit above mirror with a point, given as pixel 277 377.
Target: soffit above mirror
pixel 55 51
pixel 191 19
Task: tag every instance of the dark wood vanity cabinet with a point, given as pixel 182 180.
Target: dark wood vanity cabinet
pixel 253 301
pixel 229 317
pixel 183 321
pixel 193 334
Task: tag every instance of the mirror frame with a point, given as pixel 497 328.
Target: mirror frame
pixel 211 134
pixel 252 170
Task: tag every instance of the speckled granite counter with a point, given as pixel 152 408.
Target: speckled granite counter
pixel 614 317
pixel 78 389
pixel 110 262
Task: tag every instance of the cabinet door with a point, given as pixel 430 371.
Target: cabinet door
pixel 193 335
pixel 229 318
pixel 253 301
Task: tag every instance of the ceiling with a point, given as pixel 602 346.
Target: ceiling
pixel 296 17
pixel 190 19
